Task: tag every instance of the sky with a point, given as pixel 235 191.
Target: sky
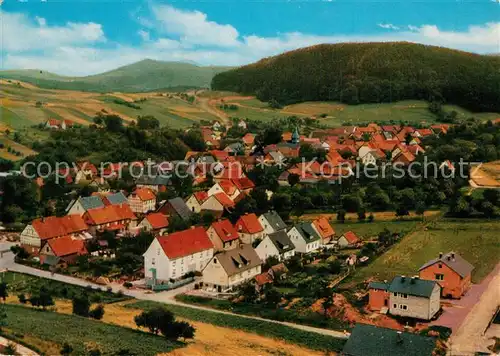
pixel 84 37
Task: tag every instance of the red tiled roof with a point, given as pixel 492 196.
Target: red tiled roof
pixel 225 230
pixel 53 226
pixel 201 196
pixel 351 237
pixel 109 214
pixel 249 224
pixel 219 155
pixel 144 194
pixel 65 245
pixel 243 183
pixel 157 220
pixel 324 228
pixel 227 186
pixel 185 243
pixel 224 200
pixel 249 138
pixel 263 278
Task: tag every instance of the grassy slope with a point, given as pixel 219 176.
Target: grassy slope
pixel 264 328
pixel 475 240
pixel 78 332
pixel 145 75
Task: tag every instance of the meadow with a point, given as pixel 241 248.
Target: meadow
pixel 476 240
pixel 48 331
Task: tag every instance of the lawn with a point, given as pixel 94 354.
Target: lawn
pixel 475 240
pixel 22 283
pixel 81 333
pixel 368 231
pixel 264 328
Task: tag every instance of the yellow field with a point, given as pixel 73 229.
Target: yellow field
pixel 486 175
pixel 209 339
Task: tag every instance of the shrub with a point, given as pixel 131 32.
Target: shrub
pixel 22 298
pixel 97 312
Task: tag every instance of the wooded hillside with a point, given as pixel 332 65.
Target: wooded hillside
pixel 369 73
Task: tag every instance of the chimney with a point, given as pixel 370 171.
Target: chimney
pixel 453 256
pixel 240 227
pixel 412 280
pixel 403 279
pixel 440 255
pixel 399 337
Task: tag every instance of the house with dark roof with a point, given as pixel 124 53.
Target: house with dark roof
pixel 451 271
pixel 406 296
pixel 231 268
pixel 371 340
pixel 172 256
pixel 175 207
pixel 304 237
pixel 158 183
pixel 82 204
pixel 223 235
pixel 277 244
pixel 249 228
pixel 271 222
pixel 117 198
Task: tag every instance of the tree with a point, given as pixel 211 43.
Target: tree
pixel 66 350
pixel 270 136
pixel 3 317
pixel 81 304
pixel 42 298
pixel 341 215
pixel 97 313
pixel 181 329
pixel 420 209
pixel 22 298
pixel 157 320
pixel 4 292
pixel 10 349
pixel 160 320
pixel 147 122
pixel 361 214
pixel 113 123
pixel 293 179
pixel 371 217
pixel 272 296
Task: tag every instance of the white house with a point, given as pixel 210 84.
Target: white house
pixel 224 186
pixel 271 222
pixel 231 268
pixel 195 201
pixel 142 200
pixel 414 297
pixel 305 238
pixel 172 256
pixel 277 244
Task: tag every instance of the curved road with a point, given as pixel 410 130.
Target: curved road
pixel 167 297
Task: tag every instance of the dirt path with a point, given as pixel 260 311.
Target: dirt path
pixel 210 106
pixel 21 350
pixel 481 301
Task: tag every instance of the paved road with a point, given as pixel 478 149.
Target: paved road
pixel 21 349
pixel 470 336
pixel 167 297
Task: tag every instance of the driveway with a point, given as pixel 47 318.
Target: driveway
pixel 469 335
pixel 167 297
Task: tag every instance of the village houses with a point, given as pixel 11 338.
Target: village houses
pixel 142 200
pixel 305 238
pixel 277 244
pixel 195 201
pixel 451 271
pixel 223 235
pixel 172 256
pixel 271 222
pixel 249 228
pixel 156 223
pixel 231 268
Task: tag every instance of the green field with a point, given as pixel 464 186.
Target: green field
pixel 81 332
pixel 13 120
pixel 23 283
pixel 368 231
pixel 475 240
pixel 300 337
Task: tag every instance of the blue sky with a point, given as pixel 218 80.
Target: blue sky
pixel 75 37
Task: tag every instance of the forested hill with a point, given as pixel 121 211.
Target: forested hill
pixel 370 72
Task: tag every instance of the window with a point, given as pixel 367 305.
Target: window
pixel 439 277
pixel 395 305
pixel 403 306
pixel 395 294
pixel 404 295
pixel 153 261
pixel 440 265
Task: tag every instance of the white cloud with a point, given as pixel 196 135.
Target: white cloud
pixel 193 27
pixel 388 26
pixel 82 48
pixel 18 33
pixel 144 35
